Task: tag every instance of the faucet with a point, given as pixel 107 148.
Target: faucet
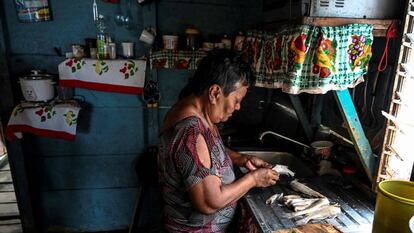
pixel 281 136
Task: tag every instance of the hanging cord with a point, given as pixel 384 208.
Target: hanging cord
pixel 391 34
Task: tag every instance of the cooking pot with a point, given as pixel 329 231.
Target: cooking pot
pixel 37 86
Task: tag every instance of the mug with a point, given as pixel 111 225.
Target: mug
pixel 127 49
pixel 147 36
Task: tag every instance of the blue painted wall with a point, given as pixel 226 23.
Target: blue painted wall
pixel 90 184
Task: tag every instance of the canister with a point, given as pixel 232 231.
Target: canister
pixel 170 42
pixel 192 36
pixel 238 42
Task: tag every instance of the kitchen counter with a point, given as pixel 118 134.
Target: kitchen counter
pixel 357 211
pixel 357 208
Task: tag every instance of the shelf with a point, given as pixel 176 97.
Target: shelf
pixel 380 25
pixel 176 59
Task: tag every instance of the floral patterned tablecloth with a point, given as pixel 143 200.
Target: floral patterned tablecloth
pixel 124 76
pixel 56 120
pixel 310 59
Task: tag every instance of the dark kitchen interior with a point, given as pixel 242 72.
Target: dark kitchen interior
pixel 99 174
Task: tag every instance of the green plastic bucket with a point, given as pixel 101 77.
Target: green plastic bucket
pixel 394 207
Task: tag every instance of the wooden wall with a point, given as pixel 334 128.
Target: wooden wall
pixel 90 184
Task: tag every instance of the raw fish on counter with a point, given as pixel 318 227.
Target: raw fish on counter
pixel 274 198
pixel 314 207
pixel 329 211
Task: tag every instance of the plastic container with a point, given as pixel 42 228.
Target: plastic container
pixel 170 42
pixel 322 148
pixel 394 207
pixel 192 39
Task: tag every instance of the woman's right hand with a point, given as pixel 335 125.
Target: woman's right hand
pixel 264 177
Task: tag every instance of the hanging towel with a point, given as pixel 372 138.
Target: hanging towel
pixel 310 59
pixel 56 120
pixel 124 76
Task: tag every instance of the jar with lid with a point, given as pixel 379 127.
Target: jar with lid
pixel 238 42
pixel 192 39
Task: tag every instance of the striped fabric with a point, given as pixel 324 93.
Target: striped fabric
pixel 180 169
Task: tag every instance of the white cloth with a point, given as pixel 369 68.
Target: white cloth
pixel 124 76
pixel 50 120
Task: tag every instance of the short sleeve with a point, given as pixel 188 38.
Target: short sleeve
pixel 186 158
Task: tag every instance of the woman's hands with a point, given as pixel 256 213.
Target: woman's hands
pixel 261 171
pixel 261 174
pixel 264 177
pixel 252 163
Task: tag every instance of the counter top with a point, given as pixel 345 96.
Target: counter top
pixel 357 209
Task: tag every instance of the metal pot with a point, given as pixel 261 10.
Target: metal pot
pixel 37 86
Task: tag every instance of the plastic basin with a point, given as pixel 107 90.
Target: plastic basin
pixel 394 207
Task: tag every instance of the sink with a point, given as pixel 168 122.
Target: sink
pixel 283 158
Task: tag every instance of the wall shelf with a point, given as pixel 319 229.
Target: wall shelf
pixel 176 59
pixel 380 25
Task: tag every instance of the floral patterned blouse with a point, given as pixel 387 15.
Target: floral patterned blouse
pixel 180 169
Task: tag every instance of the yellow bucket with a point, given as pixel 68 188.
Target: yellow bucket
pixel 394 207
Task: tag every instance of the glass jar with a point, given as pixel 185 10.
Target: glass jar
pixel 192 39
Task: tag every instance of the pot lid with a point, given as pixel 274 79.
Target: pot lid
pixel 37 75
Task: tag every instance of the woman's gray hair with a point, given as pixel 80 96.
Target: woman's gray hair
pixel 222 67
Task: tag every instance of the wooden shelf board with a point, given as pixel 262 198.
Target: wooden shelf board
pixel 380 25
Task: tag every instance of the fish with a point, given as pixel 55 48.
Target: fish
pixel 276 197
pixel 329 211
pixel 312 208
pixel 288 197
pixel 300 201
pixel 301 207
pixel 299 187
pixel 283 170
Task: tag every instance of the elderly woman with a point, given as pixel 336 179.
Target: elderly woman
pixel 196 170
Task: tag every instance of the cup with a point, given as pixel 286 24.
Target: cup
pixel 147 36
pixel 112 50
pixel 127 49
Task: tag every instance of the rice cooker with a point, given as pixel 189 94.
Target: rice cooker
pixel 37 86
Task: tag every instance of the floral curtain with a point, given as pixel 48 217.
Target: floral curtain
pixel 310 59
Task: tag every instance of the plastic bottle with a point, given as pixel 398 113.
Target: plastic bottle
pixel 101 39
